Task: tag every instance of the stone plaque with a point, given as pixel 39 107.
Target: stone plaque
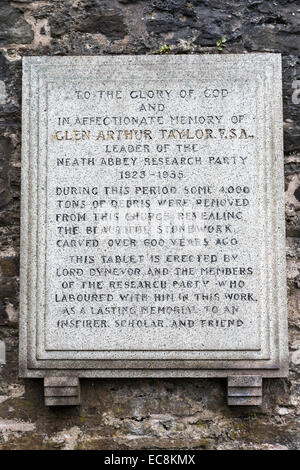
pixel 153 220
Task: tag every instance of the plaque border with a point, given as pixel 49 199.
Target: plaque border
pixel 30 271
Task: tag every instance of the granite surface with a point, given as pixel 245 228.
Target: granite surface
pixel 152 215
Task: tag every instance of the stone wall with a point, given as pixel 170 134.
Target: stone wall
pixel 135 414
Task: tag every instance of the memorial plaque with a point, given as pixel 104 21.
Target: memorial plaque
pixel 153 240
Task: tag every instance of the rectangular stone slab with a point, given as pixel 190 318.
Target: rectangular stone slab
pixel 61 382
pixel 62 401
pixel 61 391
pixel 153 217
pixel 245 381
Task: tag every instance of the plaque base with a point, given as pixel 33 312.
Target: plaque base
pixel 244 390
pixel 61 391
